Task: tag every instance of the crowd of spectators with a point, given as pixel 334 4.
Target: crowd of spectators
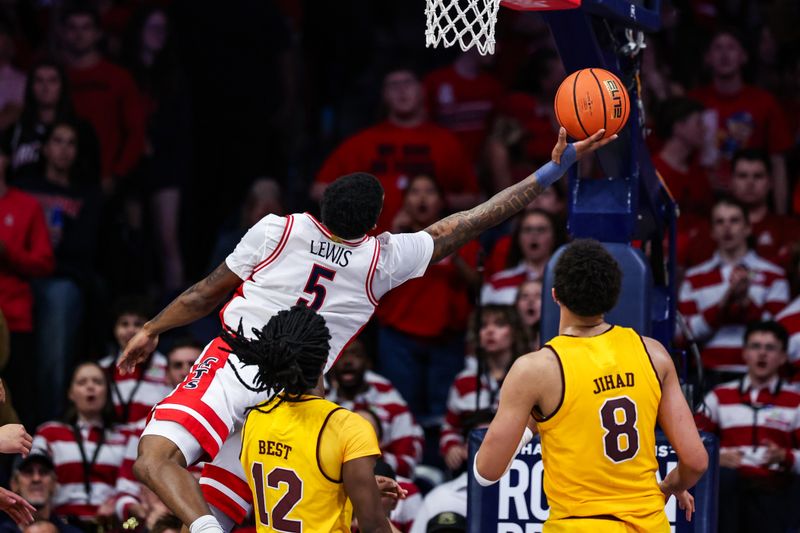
pixel 139 139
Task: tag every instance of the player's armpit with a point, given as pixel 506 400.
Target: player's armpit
pixel 520 392
pixel 362 489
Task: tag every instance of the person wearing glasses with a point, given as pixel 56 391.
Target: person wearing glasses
pixel 757 421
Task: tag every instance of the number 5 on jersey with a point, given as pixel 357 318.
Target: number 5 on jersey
pixel 313 286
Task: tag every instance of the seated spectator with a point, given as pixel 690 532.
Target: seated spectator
pixel 72 212
pixel 134 394
pixel 536 236
pixel 134 500
pixel 736 286
pixel 405 145
pixel 12 81
pixel 87 449
pixel 741 115
pixel 420 341
pixel 355 387
pixel 751 183
pixel 502 339
pixel 529 307
pixel 462 96
pixel 755 418
pixel 449 497
pixel 34 479
pixel 789 318
pixel 25 253
pixel 104 94
pixel 679 125
pixel 47 102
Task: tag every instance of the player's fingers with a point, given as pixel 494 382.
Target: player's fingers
pixel 561 145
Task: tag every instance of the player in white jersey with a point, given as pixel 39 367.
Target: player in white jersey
pixel 331 266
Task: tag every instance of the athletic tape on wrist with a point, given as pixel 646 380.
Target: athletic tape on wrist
pixel 527 435
pixel 551 172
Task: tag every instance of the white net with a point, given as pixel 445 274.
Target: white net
pixel 466 22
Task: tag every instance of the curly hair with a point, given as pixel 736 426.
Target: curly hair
pixel 290 351
pixel 587 279
pixel 351 205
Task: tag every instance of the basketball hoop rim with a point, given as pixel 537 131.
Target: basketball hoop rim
pixel 540 5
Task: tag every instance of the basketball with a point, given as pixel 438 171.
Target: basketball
pixel 590 99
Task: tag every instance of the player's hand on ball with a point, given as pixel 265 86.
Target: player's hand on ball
pixel 586 146
pixel 137 350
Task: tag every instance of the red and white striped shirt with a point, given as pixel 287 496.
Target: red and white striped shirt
pixel 461 403
pixel 502 287
pixel 743 417
pixel 790 319
pixel 722 330
pixel 134 395
pixel 58 441
pixel 402 436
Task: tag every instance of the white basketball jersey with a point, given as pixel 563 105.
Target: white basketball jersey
pixel 309 266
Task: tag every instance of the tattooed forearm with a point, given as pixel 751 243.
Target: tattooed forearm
pixel 450 233
pixel 196 301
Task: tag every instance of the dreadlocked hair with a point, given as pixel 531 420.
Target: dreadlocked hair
pixel 290 351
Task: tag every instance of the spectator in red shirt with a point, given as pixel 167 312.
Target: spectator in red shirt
pixel 736 286
pixel 462 96
pixel 355 387
pixel 404 145
pixel 422 322
pixel 740 115
pixel 25 253
pixel 104 94
pixel 680 126
pixel 757 422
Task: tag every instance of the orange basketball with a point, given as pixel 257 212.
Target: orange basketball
pixel 591 99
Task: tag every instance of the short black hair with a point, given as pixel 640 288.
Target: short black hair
pixel 290 351
pixel 587 278
pixel 80 8
pixel 752 154
pixel 672 111
pixel 184 342
pixel 768 326
pixel 732 201
pixel 351 205
pixel 131 305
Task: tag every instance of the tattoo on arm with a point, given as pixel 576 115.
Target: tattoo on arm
pixel 452 232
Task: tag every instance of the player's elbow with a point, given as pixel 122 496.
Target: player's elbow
pixel 485 473
pixel 697 462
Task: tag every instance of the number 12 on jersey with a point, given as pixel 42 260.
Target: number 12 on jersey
pixel 313 286
pixel 292 496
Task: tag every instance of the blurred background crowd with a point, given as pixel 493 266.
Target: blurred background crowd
pixel 139 139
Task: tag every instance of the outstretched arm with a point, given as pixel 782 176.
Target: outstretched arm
pixel 450 233
pixel 195 302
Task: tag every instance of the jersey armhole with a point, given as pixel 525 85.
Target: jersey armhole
pixel 536 412
pixel 319 441
pixel 652 365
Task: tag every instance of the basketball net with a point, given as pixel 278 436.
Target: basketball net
pixel 466 22
pixel 471 22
